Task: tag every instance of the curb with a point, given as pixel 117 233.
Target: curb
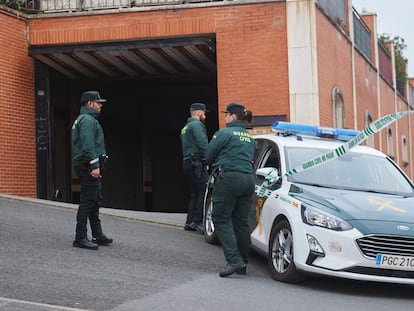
pixel 168 219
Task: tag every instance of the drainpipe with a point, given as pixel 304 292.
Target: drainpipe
pixel 394 84
pixel 410 153
pixel 351 34
pixel 378 78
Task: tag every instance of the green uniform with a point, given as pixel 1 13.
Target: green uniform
pixel 88 145
pixel 232 149
pixel 88 140
pixel 194 139
pixel 194 144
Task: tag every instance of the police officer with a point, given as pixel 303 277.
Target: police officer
pixel 194 144
pixel 230 155
pixel 89 154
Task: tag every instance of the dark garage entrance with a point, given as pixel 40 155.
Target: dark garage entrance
pixel 147 107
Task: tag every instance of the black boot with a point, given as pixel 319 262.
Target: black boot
pixel 102 240
pixel 230 268
pixel 85 243
pixel 98 236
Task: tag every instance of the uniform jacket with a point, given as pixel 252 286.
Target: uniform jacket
pixel 231 147
pixel 88 142
pixel 194 139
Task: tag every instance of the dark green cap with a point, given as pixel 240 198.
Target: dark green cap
pixel 235 108
pixel 198 106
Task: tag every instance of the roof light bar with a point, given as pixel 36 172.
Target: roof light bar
pixel 288 128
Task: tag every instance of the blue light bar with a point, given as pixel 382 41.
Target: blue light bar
pixel 288 128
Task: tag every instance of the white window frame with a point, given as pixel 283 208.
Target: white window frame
pixel 338 108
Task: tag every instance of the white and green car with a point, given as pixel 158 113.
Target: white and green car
pixel 349 217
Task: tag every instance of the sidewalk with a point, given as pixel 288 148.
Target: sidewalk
pixel 171 219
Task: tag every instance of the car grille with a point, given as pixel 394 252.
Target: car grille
pixel 371 245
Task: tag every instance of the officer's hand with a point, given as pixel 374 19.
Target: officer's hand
pixel 96 173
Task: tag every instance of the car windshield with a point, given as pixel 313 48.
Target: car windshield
pixel 353 171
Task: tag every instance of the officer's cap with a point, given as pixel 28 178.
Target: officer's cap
pixel 91 96
pixel 198 106
pixel 235 108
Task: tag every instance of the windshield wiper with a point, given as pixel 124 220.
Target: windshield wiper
pixel 378 191
pixel 315 185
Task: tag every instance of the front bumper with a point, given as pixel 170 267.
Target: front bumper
pixel 342 257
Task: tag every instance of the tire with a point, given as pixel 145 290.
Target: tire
pixel 208 224
pixel 281 256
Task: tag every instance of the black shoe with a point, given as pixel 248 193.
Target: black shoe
pixel 102 240
pixel 187 227
pixel 85 243
pixel 242 271
pixel 198 227
pixel 230 268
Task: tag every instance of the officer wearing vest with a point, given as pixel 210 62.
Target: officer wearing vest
pixel 194 144
pixel 89 154
pixel 230 155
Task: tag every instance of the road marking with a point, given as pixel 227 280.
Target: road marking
pixel 43 305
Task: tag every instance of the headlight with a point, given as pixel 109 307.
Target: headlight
pixel 315 217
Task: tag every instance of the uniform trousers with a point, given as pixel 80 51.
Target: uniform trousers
pixel 196 178
pixel 232 200
pixel 90 202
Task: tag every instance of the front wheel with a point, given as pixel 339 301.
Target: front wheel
pixel 208 224
pixel 280 256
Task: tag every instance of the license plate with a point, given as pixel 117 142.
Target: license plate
pixel 395 262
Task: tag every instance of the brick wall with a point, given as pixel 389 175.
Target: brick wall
pixel 250 41
pixel 252 68
pixel 17 118
pixel 366 93
pixel 334 70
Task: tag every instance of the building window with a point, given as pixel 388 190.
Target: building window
pixel 390 146
pixel 404 151
pixel 368 121
pixel 338 108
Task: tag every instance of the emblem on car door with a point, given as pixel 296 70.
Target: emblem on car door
pixel 403 228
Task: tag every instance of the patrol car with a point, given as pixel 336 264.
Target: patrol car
pixel 351 216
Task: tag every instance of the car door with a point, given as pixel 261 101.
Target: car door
pixel 268 161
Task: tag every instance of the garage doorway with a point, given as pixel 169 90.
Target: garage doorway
pixel 142 121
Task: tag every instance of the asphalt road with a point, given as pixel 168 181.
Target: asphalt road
pixel 151 267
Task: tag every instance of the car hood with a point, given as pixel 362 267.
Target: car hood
pixel 368 212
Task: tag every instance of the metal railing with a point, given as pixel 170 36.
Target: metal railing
pixel 411 95
pixel 335 9
pixel 362 35
pixel 55 6
pixel 385 63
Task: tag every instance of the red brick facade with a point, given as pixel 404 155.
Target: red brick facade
pixel 17 116
pixel 250 42
pixel 252 67
pixel 334 69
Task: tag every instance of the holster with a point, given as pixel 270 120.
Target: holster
pixel 103 160
pixel 198 167
pixel 219 172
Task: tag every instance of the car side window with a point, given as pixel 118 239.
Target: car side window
pixel 272 158
pixel 257 150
